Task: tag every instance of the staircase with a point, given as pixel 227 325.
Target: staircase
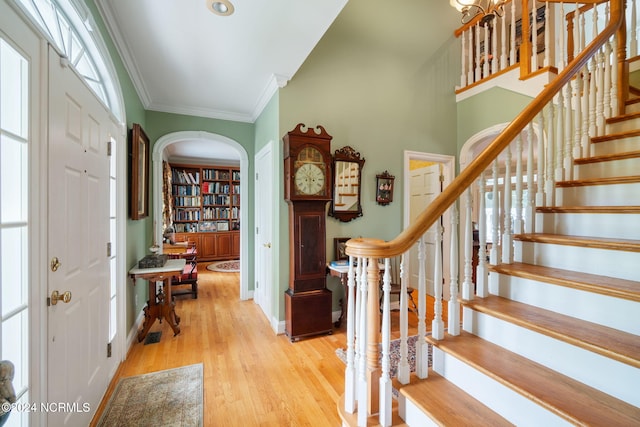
pixel 551 328
pixel 557 342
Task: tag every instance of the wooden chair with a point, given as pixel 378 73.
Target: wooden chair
pixel 189 276
pixel 396 288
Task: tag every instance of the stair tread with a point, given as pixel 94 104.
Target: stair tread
pixel 588 209
pixel 615 287
pixel 608 157
pixel 599 181
pixel 591 242
pixel 449 405
pixel 614 136
pixel 621 346
pixel 568 398
pixel 623 117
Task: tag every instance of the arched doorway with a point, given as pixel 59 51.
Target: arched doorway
pixel 209 138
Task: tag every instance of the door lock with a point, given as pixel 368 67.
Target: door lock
pixel 55 264
pixel 56 296
pixel 267 245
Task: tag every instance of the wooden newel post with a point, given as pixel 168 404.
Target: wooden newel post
pixel 373 335
pixel 623 64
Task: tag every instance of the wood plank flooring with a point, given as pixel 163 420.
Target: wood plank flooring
pixel 252 377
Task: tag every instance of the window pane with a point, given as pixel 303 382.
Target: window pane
pixel 112 319
pixel 13 81
pixel 13 180
pixel 14 268
pixel 15 331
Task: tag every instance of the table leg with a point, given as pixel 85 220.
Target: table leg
pixel 343 301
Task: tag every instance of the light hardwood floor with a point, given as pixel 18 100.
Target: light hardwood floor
pixel 252 377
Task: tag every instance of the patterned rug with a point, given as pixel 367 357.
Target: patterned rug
pixel 164 398
pixel 225 266
pixel 394 355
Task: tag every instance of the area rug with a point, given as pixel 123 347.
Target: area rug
pixel 164 398
pixel 225 266
pixel 394 354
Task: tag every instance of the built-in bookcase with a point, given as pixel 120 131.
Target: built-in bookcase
pixel 205 198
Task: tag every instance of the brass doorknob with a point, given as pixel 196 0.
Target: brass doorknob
pixel 55 264
pixel 56 296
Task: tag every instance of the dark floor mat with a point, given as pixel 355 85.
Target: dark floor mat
pixel 152 338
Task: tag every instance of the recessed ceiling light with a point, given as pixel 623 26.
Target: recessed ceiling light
pixel 220 7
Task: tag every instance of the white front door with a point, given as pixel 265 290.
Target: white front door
pixel 425 185
pixel 78 194
pixel 264 232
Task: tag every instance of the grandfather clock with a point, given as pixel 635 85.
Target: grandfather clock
pixel 307 189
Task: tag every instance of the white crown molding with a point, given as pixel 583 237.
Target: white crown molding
pixel 201 112
pixel 123 49
pixel 276 82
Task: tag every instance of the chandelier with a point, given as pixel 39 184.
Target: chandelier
pixel 488 9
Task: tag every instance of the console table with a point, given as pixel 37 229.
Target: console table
pixel 160 305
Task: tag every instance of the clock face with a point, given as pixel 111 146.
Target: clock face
pixel 309 179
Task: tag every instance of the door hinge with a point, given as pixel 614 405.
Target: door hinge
pixel 109 349
pixel 109 249
pixel 256 176
pixel 441 178
pixel 109 148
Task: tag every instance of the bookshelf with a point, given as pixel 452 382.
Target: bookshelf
pixel 206 208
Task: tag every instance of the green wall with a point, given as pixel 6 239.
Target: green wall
pixel 378 102
pixel 486 109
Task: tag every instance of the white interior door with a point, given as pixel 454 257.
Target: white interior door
pixel 78 195
pixel 425 185
pixel 264 232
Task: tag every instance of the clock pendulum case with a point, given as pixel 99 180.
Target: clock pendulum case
pixel 307 189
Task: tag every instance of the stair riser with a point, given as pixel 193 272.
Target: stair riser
pixel 608 169
pixel 599 195
pixel 621 264
pixel 412 414
pixel 611 377
pixel 632 108
pixel 623 226
pixel 509 404
pixel 615 146
pixel 623 126
pixel 605 310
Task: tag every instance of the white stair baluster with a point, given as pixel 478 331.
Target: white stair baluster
pixel 547 36
pixel 470 34
pixel 507 242
pixel 494 49
pixel 482 272
pixel 534 37
pixel 512 52
pixel 546 129
pixel 503 43
pixel 467 283
pixel 633 32
pixel 530 212
pixel 350 370
pixel 385 380
pixel 437 325
pixel 463 60
pixel 478 75
pixel 495 216
pixel 363 389
pixel 404 370
pixel 454 307
pixel 422 367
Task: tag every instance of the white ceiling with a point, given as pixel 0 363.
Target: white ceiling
pixel 184 59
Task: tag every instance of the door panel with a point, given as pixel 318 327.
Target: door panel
pixel 78 193
pixel 425 186
pixel 263 247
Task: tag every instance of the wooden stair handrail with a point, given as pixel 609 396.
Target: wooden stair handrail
pixel 377 248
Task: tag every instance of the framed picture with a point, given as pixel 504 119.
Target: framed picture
pixel 139 173
pixel 384 188
pixel 340 246
pixel 208 226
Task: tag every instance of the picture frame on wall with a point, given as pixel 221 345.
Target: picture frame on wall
pixel 340 247
pixel 138 173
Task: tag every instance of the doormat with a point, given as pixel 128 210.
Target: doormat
pixel 153 337
pixel 165 398
pixel 232 266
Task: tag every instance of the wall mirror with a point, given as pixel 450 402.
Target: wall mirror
pixel 347 173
